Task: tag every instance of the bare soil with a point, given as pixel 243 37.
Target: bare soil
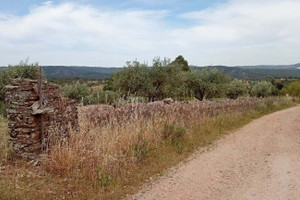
pixel 260 161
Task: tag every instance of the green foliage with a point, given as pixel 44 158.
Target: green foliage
pixel 175 134
pixel 76 91
pixel 181 63
pixel 134 79
pixel 22 70
pixel 102 97
pixel 167 80
pixel 206 83
pixel 235 89
pixel 141 149
pixel 262 89
pixel 261 107
pixel 293 89
pixel 104 179
pixel 160 81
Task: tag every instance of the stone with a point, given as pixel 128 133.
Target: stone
pixel 168 100
pixel 33 128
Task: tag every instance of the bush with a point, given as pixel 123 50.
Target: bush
pixel 262 89
pixel 141 149
pixel 104 179
pixel 293 89
pixel 175 134
pixel 22 70
pixel 235 89
pixel 102 97
pixel 206 83
pixel 133 80
pixel 76 91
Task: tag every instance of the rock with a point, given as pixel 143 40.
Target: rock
pixel 168 101
pixel 26 116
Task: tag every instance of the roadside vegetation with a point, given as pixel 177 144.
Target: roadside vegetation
pixel 108 161
pixel 139 82
pixel 113 157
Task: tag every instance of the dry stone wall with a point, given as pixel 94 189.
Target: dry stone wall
pixel 34 124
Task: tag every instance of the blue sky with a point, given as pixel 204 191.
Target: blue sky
pixel 22 7
pixel 109 33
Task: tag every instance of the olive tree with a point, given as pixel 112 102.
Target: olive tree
pixel 76 91
pixel 133 80
pixel 262 89
pixel 236 88
pixel 293 89
pixel 206 83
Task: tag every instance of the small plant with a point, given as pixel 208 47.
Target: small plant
pixel 262 89
pixel 103 178
pixel 261 107
pixel 168 131
pixel 175 135
pixel 102 97
pixel 235 89
pixel 141 149
pixel 21 70
pixel 76 91
pixel 293 89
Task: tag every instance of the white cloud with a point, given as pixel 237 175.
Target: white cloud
pixel 247 32
pixel 233 33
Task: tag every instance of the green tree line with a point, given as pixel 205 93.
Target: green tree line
pixel 163 79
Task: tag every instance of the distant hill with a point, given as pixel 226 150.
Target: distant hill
pixel 241 72
pixel 255 72
pixel 79 72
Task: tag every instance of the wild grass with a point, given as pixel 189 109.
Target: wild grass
pixel 4 148
pixel 112 156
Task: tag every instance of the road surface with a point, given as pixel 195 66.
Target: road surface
pixel 260 161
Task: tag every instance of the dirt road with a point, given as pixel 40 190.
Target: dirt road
pixel 260 161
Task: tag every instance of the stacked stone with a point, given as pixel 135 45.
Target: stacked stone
pixel 34 127
pixel 24 127
pixel 57 124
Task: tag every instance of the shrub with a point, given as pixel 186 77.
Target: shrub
pixel 181 63
pixel 76 91
pixel 22 70
pixel 141 149
pixel 293 89
pixel 175 134
pixel 102 97
pixel 134 79
pixel 104 179
pixel 262 89
pixel 235 89
pixel 206 83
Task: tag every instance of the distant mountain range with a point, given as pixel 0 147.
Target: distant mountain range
pixel 241 72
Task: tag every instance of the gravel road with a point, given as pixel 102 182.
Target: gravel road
pixel 260 161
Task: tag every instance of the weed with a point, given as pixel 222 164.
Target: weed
pixel 141 149
pixel 130 144
pixel 175 134
pixel 104 179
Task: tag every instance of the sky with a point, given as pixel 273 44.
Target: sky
pixel 108 33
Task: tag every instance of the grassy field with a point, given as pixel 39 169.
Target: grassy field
pixel 93 167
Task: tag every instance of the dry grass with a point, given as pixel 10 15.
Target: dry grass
pixel 97 88
pixel 5 151
pixel 115 153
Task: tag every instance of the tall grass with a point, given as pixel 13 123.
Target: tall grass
pixel 4 137
pixel 117 149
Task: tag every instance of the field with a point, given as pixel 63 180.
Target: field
pixel 118 149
